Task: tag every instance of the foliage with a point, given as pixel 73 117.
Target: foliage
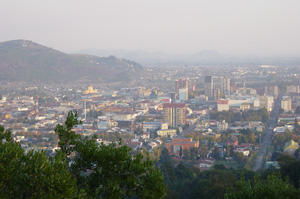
pixel 115 173
pixel 289 167
pixel 216 153
pixel 297 110
pixel 68 138
pixel 247 136
pixel 280 139
pixel 274 187
pixel 81 169
pixel 33 175
pixel 94 114
pixel 251 115
pixel 108 171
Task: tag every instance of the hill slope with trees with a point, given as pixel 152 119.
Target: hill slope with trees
pixel 22 60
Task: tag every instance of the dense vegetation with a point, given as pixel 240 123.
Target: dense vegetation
pixel 81 169
pixel 251 115
pixel 188 182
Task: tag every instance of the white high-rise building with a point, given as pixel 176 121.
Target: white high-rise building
pixel 183 94
pixel 225 85
pixel 286 103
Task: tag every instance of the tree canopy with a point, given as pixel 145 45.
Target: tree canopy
pixel 82 168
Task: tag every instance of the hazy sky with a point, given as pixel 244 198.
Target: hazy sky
pixel 265 27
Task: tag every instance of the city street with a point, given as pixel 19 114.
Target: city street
pixel 266 141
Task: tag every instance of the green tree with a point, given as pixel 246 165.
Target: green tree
pixel 108 171
pixel 33 175
pixel 203 151
pixel 240 157
pixel 186 154
pixel 297 110
pixel 180 151
pixel 215 153
pixel 273 188
pixel 68 138
pixel 194 153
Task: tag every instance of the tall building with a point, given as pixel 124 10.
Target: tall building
pixel 271 90
pixel 208 86
pixel 183 94
pixel 192 85
pixel 266 102
pixel 216 94
pixel 181 83
pixel 173 96
pixel 174 114
pixel 286 104
pixel 232 87
pixel 225 85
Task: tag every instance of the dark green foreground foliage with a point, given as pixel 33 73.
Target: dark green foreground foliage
pixel 185 182
pixel 271 188
pixel 94 172
pixel 33 175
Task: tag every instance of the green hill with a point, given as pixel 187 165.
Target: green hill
pixel 22 60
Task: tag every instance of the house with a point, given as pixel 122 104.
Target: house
pixel 145 136
pixel 205 163
pixel 245 152
pixel 167 133
pixel 223 105
pixel 272 164
pixel 152 126
pixel 232 141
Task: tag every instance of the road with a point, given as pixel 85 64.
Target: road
pixel 266 141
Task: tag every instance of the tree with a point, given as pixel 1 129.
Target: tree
pixel 194 153
pixel 240 157
pixel 108 171
pixel 297 110
pixel 215 153
pixel 33 175
pixel 81 169
pixel 212 184
pixel 203 151
pixel 186 154
pixel 180 151
pixel 273 188
pixel 68 138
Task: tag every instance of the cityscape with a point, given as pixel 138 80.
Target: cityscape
pixel 150 100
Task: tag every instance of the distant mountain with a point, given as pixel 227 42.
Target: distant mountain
pixel 23 60
pixel 201 58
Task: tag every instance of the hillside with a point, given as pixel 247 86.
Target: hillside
pixel 22 60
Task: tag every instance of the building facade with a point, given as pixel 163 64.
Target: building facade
pixel 174 114
pixel 208 86
pixel 225 85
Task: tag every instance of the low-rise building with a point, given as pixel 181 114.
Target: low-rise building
pixel 177 143
pixel 167 132
pixel 223 105
pixel 152 126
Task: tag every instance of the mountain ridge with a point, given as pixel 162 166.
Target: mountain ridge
pixel 23 60
pixel 200 58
